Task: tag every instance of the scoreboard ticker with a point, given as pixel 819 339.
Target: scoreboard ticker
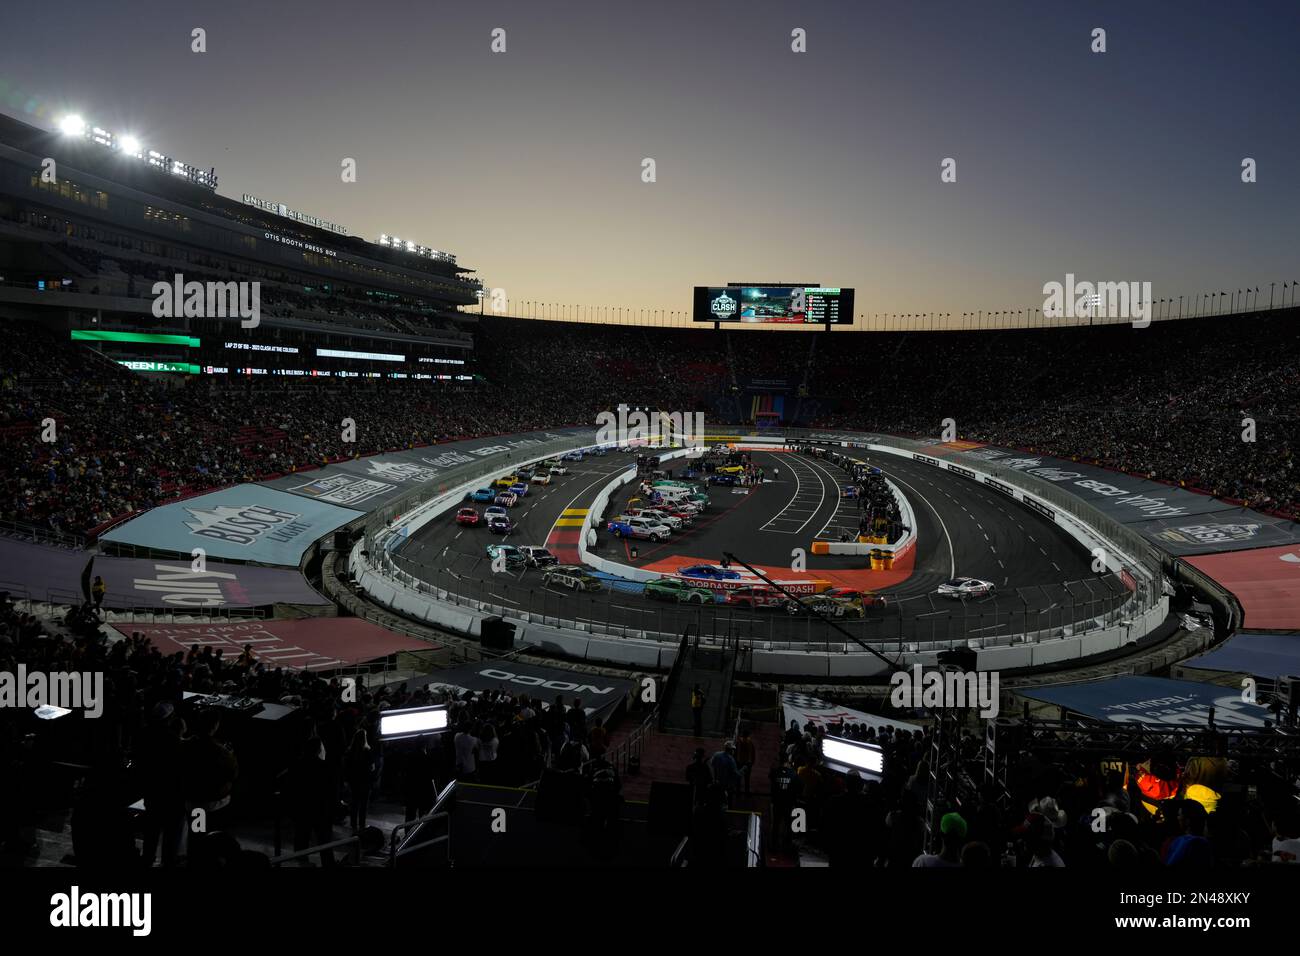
pixel 773 305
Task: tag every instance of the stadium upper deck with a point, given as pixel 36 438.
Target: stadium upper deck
pixel 107 221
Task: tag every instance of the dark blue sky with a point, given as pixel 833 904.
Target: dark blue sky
pixel 821 166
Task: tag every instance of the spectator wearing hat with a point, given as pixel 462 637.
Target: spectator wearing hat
pixel 952 829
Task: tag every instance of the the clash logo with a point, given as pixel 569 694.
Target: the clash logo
pixel 1213 533
pixel 724 306
pixel 245 525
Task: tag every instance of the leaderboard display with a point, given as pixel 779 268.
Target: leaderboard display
pixel 774 305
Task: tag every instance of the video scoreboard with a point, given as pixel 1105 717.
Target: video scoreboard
pixel 774 305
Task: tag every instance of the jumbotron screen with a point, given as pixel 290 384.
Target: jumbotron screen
pixel 774 305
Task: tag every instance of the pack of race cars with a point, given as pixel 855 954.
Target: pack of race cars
pixel 665 507
pixel 506 492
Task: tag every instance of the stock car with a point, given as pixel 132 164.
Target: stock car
pixel 829 606
pixel 671 589
pixel 755 596
pixel 506 482
pixel 710 571
pixel 717 479
pixel 625 527
pixel 492 511
pixel 468 516
pixel 571 576
pixel 525 474
pixel 542 478
pixel 575 455
pixel 514 557
pixel 500 524
pixel 867 598
pixel 962 588
pixel 538 557
pixel 507 498
pixel 597 451
pixel 731 470
pixel 520 488
pixel 558 469
pixel 483 494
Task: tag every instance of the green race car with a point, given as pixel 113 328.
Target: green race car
pixel 671 589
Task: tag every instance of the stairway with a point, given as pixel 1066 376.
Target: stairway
pixel 711 669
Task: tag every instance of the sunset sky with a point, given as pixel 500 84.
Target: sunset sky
pixel 771 166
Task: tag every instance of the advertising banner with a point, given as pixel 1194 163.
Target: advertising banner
pixel 599 694
pixel 365 484
pixel 246 522
pixel 316 644
pixel 45 571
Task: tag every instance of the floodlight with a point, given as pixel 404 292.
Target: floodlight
pixel 72 125
pixel 412 722
pixel 867 759
pixel 130 145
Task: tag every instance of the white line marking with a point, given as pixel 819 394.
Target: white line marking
pixel 952 555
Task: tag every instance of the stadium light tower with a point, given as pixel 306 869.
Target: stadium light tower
pixel 72 125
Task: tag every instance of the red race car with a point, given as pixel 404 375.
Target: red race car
pixel 755 596
pixel 468 516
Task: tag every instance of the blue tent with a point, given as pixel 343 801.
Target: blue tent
pixel 1154 700
pixel 1266 656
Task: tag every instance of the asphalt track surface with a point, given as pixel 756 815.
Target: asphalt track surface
pixel 1043 576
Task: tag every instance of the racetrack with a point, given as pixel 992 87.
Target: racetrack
pixel 1043 576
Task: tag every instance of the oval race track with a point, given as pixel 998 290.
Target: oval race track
pixel 1043 576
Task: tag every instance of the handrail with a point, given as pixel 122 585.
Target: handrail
pixel 353 841
pixel 674 672
pixel 394 850
pixel 678 859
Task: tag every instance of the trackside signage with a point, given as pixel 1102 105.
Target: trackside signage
pixel 999 486
pixel 137 582
pixel 964 472
pixel 597 694
pixel 1176 520
pixel 1040 508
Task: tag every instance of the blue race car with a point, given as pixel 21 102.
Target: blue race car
pixel 520 490
pixel 483 494
pixel 575 455
pixel 710 571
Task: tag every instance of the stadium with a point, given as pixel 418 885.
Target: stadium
pixel 319 552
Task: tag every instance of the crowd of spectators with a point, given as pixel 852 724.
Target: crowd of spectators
pixel 1170 403
pixel 1190 813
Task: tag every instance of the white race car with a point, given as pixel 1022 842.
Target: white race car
pixel 963 588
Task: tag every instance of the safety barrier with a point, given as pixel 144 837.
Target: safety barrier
pixel 1082 618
